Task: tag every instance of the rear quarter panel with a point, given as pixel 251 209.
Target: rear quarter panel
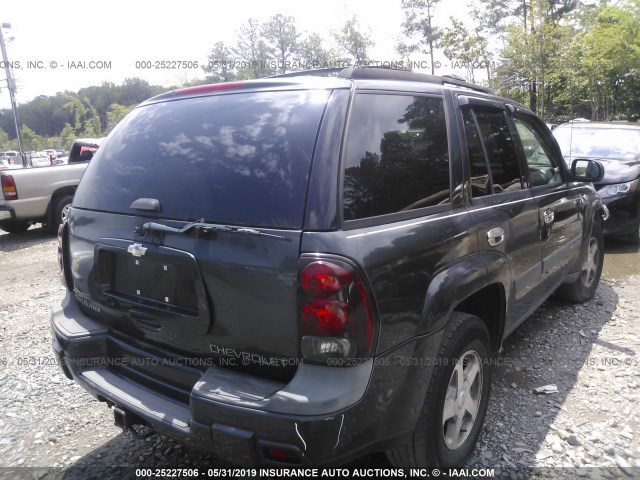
pixel 401 260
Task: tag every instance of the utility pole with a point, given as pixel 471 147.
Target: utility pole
pixel 11 85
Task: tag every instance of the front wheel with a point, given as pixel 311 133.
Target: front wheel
pixel 456 402
pixel 584 287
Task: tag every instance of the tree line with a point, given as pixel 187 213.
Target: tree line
pixel 562 58
pixel 55 121
pixel 277 46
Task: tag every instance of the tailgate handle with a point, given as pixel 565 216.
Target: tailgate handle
pixel 148 204
pixel 145 321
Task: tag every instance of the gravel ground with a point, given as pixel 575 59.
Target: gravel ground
pixel 49 424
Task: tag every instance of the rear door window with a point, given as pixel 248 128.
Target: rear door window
pixel 240 158
pixel 396 155
pixel 493 162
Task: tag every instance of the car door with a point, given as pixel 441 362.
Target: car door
pixel 501 205
pixel 560 205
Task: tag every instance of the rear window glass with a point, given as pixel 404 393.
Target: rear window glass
pixel 242 159
pixel 397 156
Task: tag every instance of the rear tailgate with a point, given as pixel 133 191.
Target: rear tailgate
pixel 238 162
pixel 221 294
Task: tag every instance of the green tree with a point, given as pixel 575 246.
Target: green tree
pixel 136 90
pixel 101 97
pixel 4 140
pixel 353 42
pixel 220 67
pixel 30 139
pixel 115 114
pixel 465 47
pixel 419 28
pixel 609 66
pixel 86 121
pixel 67 136
pixel 282 39
pixel 313 54
pixel 253 53
pixel 531 50
pixel 92 126
pixel 79 112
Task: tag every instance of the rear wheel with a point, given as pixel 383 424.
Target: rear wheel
pixel 61 210
pixel 456 402
pixel 584 287
pixel 13 226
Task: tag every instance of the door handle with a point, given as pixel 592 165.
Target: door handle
pixel 548 216
pixel 495 236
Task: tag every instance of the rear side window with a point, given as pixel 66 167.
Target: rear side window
pixel 478 170
pixel 396 156
pixel 241 159
pixel 488 136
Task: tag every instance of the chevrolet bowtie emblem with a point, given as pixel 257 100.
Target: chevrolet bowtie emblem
pixel 137 250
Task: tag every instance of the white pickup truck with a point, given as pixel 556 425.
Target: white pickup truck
pixel 31 195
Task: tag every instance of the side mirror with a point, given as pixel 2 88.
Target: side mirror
pixel 587 170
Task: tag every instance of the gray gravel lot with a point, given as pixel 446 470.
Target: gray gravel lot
pixel 590 428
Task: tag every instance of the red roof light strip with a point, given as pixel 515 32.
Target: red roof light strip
pixel 208 88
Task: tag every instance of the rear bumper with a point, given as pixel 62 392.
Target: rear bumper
pixel 323 416
pixel 27 209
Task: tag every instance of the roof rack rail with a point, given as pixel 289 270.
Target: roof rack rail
pixel 383 73
pixel 375 72
pixel 318 72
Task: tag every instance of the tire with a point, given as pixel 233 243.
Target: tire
pixel 438 441
pixel 585 286
pixel 13 226
pixel 61 210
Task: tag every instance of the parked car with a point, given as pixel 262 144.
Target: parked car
pixel 51 153
pixel 617 147
pixel 33 195
pixel 40 159
pixel 6 164
pixel 302 270
pixel 12 157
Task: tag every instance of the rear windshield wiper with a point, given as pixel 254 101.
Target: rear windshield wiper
pixel 200 227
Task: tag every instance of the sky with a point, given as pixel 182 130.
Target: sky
pixel 52 39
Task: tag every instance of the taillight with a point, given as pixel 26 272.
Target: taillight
pixel 336 310
pixel 9 190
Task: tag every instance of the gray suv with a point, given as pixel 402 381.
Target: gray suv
pixel 302 270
